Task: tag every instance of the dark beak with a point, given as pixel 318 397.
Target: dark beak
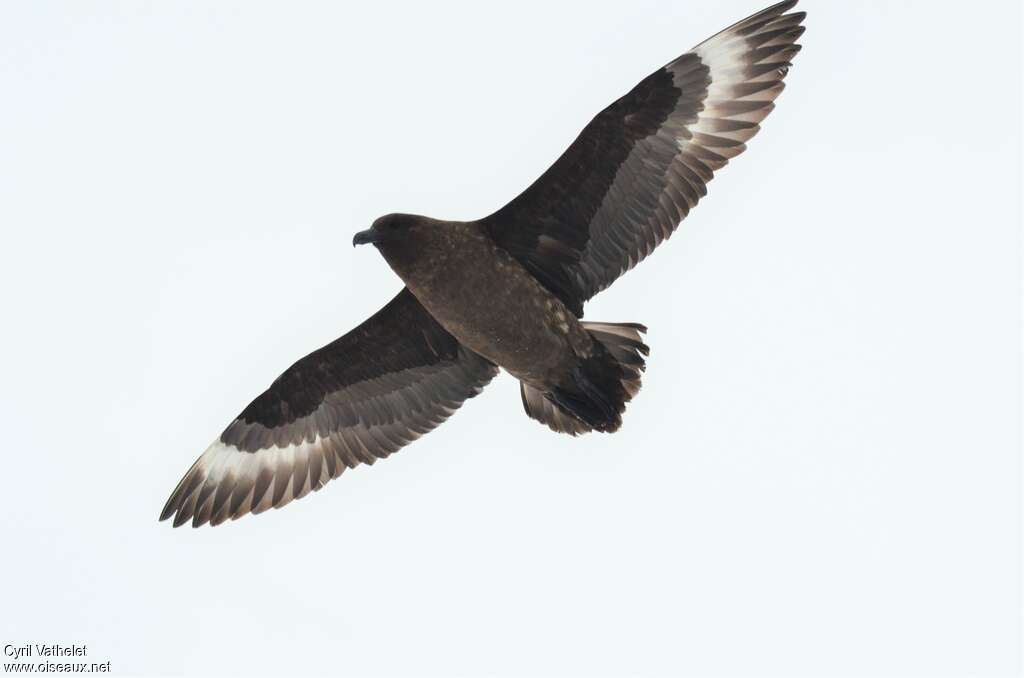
pixel 364 237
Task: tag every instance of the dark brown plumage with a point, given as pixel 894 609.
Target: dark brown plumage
pixel 507 290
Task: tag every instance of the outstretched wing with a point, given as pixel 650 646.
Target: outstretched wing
pixel 356 400
pixel 639 167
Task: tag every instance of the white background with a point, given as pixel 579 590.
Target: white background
pixel 821 474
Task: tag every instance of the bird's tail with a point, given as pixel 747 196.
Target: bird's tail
pixel 600 386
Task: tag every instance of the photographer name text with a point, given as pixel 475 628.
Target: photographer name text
pixel 40 650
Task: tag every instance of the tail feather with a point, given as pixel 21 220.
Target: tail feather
pixel 600 387
pixel 538 406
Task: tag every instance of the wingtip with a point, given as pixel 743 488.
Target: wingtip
pixel 780 7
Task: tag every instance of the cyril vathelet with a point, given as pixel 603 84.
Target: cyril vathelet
pixel 43 650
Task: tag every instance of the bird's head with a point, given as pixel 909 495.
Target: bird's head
pixel 405 240
pixel 390 230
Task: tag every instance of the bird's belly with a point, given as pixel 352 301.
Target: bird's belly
pixel 499 311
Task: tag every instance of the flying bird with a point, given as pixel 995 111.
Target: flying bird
pixel 507 290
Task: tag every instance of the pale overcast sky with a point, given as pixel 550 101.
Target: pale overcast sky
pixel 820 475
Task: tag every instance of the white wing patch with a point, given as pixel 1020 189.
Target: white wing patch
pixel 746 64
pixel 226 482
